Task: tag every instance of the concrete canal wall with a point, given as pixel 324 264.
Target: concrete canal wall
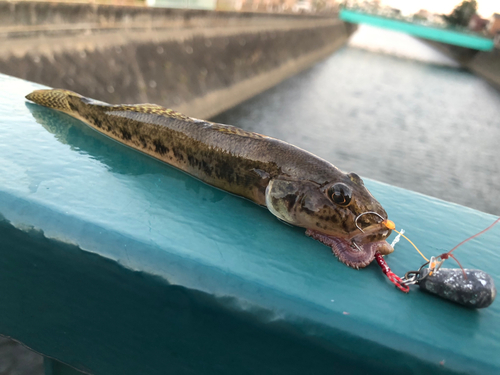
pixel 198 62
pixel 487 65
pixel 484 64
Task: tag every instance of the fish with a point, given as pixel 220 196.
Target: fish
pixel 296 186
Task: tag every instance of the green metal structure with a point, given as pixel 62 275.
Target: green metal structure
pixel 448 36
pixel 114 263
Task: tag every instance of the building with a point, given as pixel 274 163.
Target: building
pixel 477 23
pixel 184 4
pixel 423 14
pixel 494 25
pixel 274 6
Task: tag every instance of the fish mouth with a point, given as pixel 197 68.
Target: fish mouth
pixel 351 252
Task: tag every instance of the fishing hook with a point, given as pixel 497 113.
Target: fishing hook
pixel 365 213
pixel 356 245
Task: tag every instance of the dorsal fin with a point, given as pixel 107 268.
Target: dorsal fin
pixel 153 109
pixel 229 129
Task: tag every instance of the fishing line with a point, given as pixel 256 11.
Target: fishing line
pixel 475 289
pixel 474 236
pixel 389 224
pixel 416 248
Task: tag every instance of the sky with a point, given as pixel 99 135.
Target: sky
pixel 485 7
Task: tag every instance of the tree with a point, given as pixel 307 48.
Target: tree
pixel 462 13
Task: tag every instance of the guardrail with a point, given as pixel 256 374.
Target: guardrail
pixel 114 263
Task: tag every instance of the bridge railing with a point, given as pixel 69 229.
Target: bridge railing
pixel 114 263
pixel 463 38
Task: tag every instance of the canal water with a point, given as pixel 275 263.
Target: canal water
pixel 392 109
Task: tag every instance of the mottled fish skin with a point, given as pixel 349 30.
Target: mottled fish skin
pixel 291 182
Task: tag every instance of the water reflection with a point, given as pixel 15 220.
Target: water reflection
pixel 148 195
pixel 70 131
pixel 116 157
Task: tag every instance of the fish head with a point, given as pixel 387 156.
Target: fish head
pixel 341 213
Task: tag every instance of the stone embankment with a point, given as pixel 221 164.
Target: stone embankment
pixel 482 63
pixel 487 65
pixel 197 62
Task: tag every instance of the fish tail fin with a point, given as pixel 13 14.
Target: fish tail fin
pixel 54 98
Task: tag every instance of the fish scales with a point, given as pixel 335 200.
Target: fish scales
pixel 224 156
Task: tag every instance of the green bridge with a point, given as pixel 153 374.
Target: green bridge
pixel 462 39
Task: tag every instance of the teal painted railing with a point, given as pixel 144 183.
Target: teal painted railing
pixel 457 38
pixel 114 263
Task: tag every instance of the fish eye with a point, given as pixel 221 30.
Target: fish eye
pixel 340 194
